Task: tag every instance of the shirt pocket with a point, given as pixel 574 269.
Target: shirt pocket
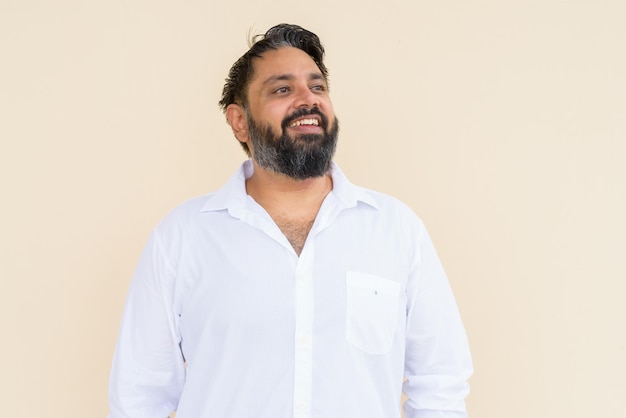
pixel 372 312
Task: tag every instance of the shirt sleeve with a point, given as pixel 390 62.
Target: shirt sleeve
pixel 148 370
pixel 437 360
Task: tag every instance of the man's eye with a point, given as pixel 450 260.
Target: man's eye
pixel 318 87
pixel 281 90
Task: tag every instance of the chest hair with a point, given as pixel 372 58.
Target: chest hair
pixel 295 230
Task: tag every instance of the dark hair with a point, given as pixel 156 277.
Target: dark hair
pixel 279 36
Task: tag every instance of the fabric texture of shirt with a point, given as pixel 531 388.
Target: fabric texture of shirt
pixel 224 320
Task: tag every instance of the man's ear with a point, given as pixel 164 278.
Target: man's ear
pixel 236 116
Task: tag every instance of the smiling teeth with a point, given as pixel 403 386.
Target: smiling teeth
pixel 305 122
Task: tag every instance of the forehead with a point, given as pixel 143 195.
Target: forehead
pixel 286 61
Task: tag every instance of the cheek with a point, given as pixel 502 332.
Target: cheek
pixel 327 108
pixel 274 115
pixel 330 115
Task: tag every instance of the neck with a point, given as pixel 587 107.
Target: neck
pixel 278 193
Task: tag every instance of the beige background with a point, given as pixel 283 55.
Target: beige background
pixel 502 123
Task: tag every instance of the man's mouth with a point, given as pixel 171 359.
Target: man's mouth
pixel 304 122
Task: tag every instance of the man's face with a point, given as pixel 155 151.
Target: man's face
pixel 291 124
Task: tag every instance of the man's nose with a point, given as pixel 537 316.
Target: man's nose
pixel 306 98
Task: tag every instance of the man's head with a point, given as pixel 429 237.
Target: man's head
pixel 276 101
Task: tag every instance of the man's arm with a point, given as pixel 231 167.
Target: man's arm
pixel 437 361
pixel 148 368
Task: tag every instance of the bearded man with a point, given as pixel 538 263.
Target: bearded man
pixel 289 292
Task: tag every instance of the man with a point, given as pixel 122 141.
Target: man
pixel 289 292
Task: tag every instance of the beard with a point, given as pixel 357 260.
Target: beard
pixel 301 157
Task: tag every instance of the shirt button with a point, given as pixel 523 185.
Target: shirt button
pixel 300 405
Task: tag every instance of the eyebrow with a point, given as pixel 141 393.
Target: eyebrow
pixel 290 77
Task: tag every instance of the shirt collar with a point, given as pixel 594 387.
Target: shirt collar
pixel 232 196
pixel 347 193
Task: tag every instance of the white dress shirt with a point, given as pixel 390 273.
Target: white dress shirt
pixel 224 320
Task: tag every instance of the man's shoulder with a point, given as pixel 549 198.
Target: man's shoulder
pixel 185 213
pixel 387 202
pixel 388 209
pixel 351 193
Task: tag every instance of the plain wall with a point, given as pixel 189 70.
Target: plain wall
pixel 501 123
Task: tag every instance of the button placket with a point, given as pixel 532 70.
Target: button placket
pixel 303 379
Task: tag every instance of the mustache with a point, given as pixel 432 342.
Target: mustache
pixel 305 112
